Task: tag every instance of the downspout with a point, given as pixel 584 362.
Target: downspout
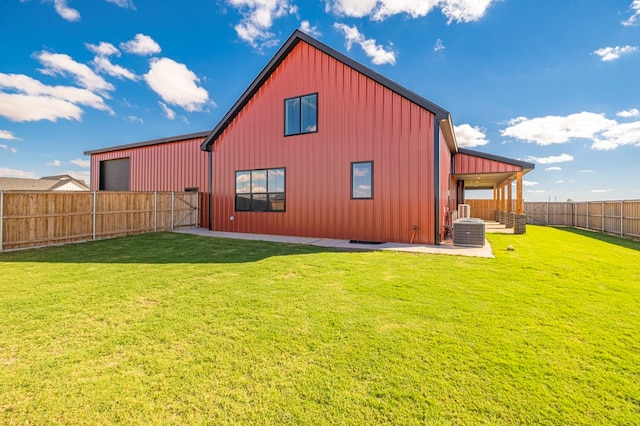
pixel 210 188
pixel 436 178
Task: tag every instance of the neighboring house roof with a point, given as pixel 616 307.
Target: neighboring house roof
pixel 441 114
pixel 50 183
pixel 150 142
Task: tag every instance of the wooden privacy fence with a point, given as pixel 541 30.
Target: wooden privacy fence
pixel 611 217
pixel 36 219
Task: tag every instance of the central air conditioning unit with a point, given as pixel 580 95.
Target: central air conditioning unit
pixel 468 232
pixel 464 210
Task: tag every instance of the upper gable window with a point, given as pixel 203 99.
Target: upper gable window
pixel 301 115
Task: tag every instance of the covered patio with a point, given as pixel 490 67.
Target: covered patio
pixel 474 170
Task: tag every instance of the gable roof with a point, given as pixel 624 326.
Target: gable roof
pixel 150 142
pixel 295 38
pixel 49 183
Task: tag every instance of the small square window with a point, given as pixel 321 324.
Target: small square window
pixel 362 180
pixel 301 115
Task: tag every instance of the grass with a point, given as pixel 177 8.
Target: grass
pixel 177 329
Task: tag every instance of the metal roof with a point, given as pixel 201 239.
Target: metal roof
pixel 484 180
pixel 150 142
pixel 285 49
pixel 525 165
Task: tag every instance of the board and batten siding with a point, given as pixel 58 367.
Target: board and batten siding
pixel 358 120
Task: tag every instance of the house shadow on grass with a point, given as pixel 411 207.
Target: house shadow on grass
pixel 162 248
pixel 611 239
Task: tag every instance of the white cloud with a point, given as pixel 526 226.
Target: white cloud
pixel 553 169
pixel 529 183
pixel 168 112
pixel 378 54
pixel 54 163
pixel 176 84
pixel 103 49
pixel 612 53
pixel 125 4
pixel 7 135
pixel 635 12
pixel 586 171
pixel 438 46
pixel 6 172
pixel 560 181
pixel 65 11
pixel 306 27
pixel 81 163
pixel 453 10
pixel 134 119
pixel 604 133
pixel 468 136
pixel 19 107
pixel 598 191
pixel 103 64
pixel 257 19
pixel 622 134
pixel 141 45
pixel 634 112
pixel 536 191
pixel 8 148
pixel 61 64
pixel 562 158
pixel 36 101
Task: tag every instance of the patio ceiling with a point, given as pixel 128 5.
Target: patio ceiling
pixel 485 180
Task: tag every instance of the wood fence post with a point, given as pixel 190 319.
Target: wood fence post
pixel 94 214
pixel 155 211
pixel 547 213
pixel 172 207
pixel 622 218
pixel 1 221
pixel 603 217
pixel 588 215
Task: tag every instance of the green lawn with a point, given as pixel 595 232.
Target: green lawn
pixel 173 329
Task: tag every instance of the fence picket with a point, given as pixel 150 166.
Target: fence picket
pixel 600 216
pixel 38 219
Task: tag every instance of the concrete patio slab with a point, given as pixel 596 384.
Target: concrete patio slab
pixel 446 248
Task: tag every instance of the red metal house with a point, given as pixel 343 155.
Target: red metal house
pixel 321 146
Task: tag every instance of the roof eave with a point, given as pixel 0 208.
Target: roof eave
pixel 150 142
pixel 526 167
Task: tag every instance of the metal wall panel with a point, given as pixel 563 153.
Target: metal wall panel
pixel 170 166
pixel 358 120
pixel 465 164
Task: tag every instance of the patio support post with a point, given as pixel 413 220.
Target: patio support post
pixel 496 190
pixel 510 197
pixel 503 206
pixel 519 209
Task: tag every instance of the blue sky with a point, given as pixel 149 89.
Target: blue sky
pixel 551 82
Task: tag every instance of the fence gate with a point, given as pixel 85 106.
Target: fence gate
pixel 536 213
pixel 186 210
